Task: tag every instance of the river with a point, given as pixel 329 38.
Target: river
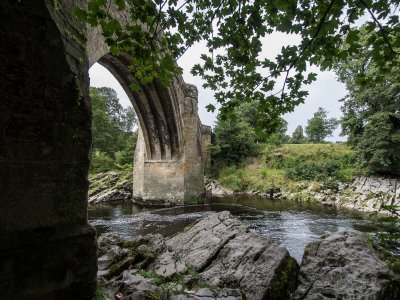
pixel 289 223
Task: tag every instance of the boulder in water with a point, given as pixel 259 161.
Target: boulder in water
pixel 343 266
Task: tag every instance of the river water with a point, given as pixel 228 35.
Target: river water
pixel 289 223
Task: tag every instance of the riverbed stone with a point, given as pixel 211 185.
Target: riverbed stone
pixel 213 188
pixel 207 294
pixel 114 254
pixel 134 286
pixel 343 266
pixel 226 254
pixel 106 241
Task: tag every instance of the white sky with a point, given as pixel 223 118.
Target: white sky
pixel 324 92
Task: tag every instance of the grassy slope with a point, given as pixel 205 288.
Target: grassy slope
pixel 292 167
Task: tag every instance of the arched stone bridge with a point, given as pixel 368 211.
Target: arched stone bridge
pixel 47 247
pixel 171 151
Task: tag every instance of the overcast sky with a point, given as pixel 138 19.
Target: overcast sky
pixel 324 92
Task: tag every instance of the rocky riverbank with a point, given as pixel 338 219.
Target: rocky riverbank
pixel 367 194
pixel 110 186
pixel 219 258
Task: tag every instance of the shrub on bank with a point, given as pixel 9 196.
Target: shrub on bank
pixel 290 165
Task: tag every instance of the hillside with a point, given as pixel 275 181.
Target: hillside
pixel 291 167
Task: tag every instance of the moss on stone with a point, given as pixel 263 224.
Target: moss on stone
pixel 118 267
pixel 284 282
pixel 150 295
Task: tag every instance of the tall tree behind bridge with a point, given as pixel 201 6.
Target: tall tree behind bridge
pixel 112 130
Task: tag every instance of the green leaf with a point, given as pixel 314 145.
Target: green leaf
pixel 210 107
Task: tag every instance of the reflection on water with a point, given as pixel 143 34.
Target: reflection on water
pixel 292 224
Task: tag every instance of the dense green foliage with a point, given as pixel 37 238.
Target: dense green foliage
pixel 320 127
pixel 371 108
pixel 379 145
pixel 289 165
pixel 315 163
pixel 262 123
pixel 113 140
pixel 237 33
pixel 278 136
pixel 298 136
pixel 234 140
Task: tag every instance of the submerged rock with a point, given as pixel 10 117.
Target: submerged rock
pixel 343 266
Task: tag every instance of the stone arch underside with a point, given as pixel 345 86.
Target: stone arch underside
pixel 157 109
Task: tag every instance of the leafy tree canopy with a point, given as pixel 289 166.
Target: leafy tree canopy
pixel 319 126
pixel 380 143
pixel 237 32
pixel 369 89
pixel 262 123
pixel 278 136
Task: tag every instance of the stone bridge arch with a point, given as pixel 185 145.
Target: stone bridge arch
pixel 170 156
pixel 47 247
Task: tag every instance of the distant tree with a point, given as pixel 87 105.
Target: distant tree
pixel 113 142
pixel 319 126
pixel 234 140
pixel 125 155
pixel 262 123
pixel 279 136
pixel 380 143
pixel 129 120
pixel 298 136
pixel 125 117
pixel 106 130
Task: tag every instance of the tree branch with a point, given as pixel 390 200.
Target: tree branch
pixel 381 29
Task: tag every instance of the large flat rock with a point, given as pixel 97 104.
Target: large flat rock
pixel 226 254
pixel 343 266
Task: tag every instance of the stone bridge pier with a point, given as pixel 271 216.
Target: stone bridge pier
pixel 177 180
pixel 47 247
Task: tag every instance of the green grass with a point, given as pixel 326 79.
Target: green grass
pixel 292 167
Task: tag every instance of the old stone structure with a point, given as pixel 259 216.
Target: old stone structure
pixel 172 145
pixel 47 247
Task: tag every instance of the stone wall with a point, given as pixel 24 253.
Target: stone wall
pixel 47 248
